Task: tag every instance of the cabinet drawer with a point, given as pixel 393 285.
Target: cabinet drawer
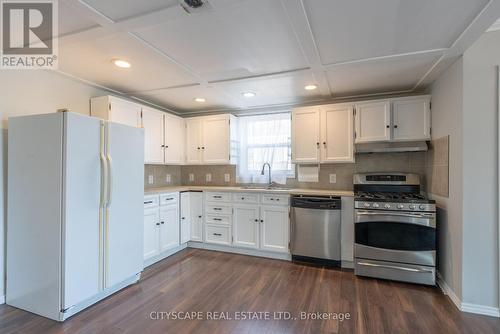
pixel 274 199
pixel 246 198
pixel 218 197
pixel 151 201
pixel 214 219
pixel 218 234
pixel 214 208
pixel 170 198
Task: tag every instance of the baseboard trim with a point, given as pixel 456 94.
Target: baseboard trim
pixel 164 255
pixel 466 307
pixel 231 249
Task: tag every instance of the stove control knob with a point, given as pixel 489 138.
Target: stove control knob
pixel 401 206
pixel 367 205
pixel 411 207
pixel 421 207
pixel 387 206
pixel 376 205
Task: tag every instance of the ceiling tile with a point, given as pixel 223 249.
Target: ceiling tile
pixel 233 39
pixel 91 60
pixel 182 99
pixel 360 29
pixel 120 9
pixel 72 20
pixel 282 89
pixel 381 76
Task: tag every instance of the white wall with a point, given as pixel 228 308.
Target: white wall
pixel 447 121
pixel 480 158
pixel 34 92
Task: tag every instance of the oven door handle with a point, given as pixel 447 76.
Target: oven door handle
pixel 412 215
pixel 413 270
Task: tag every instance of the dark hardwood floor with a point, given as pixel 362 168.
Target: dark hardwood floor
pixel 206 281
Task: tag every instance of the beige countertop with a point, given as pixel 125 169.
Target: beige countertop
pixel 295 191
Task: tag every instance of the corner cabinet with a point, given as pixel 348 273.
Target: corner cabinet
pixel 211 140
pixel 398 119
pixel 191 216
pixel 323 134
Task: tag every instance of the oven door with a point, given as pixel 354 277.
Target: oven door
pixel 406 237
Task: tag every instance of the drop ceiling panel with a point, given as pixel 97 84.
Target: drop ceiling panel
pixel 120 9
pixel 91 60
pixel 72 20
pixel 233 39
pixel 359 29
pixel 388 75
pixel 182 99
pixel 283 89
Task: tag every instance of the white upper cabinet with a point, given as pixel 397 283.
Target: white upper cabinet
pixel 116 110
pixel 174 139
pixel 193 141
pixel 399 119
pixel 411 118
pixel 209 139
pixel 305 135
pixel 337 133
pixel 373 121
pixel 152 122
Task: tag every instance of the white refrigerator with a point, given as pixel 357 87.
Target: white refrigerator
pixel 75 211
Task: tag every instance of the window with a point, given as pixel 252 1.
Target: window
pixel 265 138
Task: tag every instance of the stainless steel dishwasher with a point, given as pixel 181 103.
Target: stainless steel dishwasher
pixel 315 229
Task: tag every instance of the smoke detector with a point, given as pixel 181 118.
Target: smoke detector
pixel 195 6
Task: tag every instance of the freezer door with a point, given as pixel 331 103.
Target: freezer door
pixel 125 192
pixel 81 208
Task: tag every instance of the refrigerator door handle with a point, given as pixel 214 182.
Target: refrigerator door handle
pixel 104 181
pixel 110 179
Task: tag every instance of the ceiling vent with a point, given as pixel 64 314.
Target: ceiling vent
pixel 195 6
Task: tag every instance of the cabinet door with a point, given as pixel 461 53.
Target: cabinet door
pixel 169 227
pixel 337 137
pixel 305 135
pixel 174 139
pixel 152 122
pixel 373 121
pixel 215 139
pixel 185 217
pixel 275 229
pixel 196 212
pixel 246 223
pixel 193 140
pixel 151 228
pixel 124 112
pixel 412 119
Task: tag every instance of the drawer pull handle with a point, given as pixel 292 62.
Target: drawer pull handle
pixel 217 196
pixel 277 199
pixel 169 199
pixel 218 209
pixel 272 199
pixel 162 223
pixel 199 216
pixel 243 198
pixel 157 224
pixel 217 234
pixel 148 202
pixel 218 219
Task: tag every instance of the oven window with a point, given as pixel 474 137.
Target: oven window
pixel 397 236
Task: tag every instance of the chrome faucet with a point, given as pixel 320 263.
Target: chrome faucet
pixel 262 172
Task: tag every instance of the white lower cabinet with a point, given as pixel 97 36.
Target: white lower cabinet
pixel 151 240
pixel 218 234
pixel 246 222
pixel 169 227
pixel 274 230
pixel 191 216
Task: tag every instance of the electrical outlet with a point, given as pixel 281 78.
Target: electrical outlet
pixel 333 178
pixel 168 178
pixel 151 180
pixel 227 177
pixel 191 177
pixel 208 177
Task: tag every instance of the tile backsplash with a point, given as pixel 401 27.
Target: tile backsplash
pixel 432 166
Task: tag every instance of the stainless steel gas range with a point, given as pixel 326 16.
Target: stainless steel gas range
pixel 395 228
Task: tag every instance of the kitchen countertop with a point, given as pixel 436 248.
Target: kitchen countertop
pixel 293 191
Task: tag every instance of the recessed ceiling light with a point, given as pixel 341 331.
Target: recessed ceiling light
pixel 199 99
pixel 248 94
pixel 121 63
pixel 310 87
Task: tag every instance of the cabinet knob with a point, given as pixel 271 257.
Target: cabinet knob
pixel 261 220
pixel 157 224
pixel 199 216
pixel 317 145
pixel 198 148
pixel 388 126
pixel 162 223
pixel 162 145
pixel 324 143
pixel 256 220
pixel 183 218
pixel 203 147
pixel 395 126
pixel 166 146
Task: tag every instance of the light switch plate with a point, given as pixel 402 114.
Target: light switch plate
pixel 191 177
pixel 168 178
pixel 333 178
pixel 227 177
pixel 208 177
pixel 151 179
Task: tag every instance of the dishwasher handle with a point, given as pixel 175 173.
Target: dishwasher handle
pixel 317 202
